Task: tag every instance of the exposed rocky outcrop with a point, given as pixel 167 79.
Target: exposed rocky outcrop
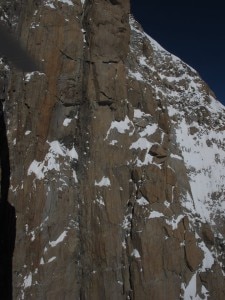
pixel 117 160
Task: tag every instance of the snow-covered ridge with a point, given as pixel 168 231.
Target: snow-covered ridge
pixel 197 130
pixel 178 79
pixel 161 53
pixel 198 126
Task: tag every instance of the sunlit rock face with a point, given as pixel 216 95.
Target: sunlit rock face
pixel 117 161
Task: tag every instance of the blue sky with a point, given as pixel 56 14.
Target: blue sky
pixel 192 30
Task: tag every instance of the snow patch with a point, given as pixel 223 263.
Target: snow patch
pixel 176 156
pixel 142 201
pixel 208 259
pixel 50 4
pixel 155 214
pixel 27 281
pixel 136 75
pixel 147 160
pixel 51 259
pixel 136 253
pixel 120 126
pixel 113 142
pixel 100 201
pixel 138 114
pixel 59 239
pixel 142 143
pixel 105 181
pixel 51 160
pixel 190 291
pixel 175 221
pixel 167 204
pixel 34 25
pixel 84 35
pixel 42 261
pixel 75 176
pixel 27 132
pixel 29 75
pixel 149 130
pixel 66 122
pixel 127 222
pixel 69 2
pixel 201 162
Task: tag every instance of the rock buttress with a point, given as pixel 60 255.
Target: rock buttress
pixel 99 179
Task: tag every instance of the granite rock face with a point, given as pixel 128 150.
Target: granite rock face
pixel 117 160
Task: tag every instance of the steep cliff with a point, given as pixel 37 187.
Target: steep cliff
pixel 117 160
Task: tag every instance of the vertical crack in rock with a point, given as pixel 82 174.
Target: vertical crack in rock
pixel 105 168
pixel 7 216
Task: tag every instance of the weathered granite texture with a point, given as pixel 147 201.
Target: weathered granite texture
pixel 107 146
